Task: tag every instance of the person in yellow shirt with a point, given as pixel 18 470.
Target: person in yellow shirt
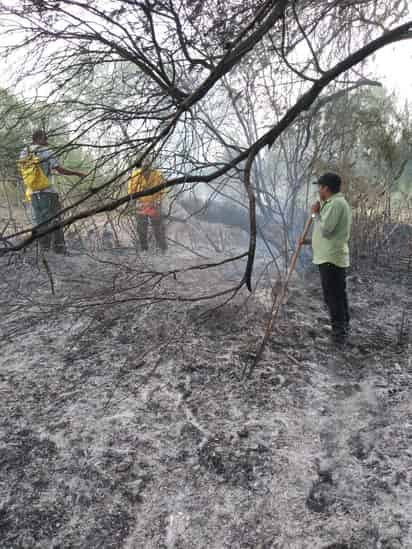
pixel 149 208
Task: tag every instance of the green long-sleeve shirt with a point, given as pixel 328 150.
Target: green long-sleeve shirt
pixel 331 232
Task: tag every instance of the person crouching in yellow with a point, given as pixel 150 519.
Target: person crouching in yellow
pixel 148 208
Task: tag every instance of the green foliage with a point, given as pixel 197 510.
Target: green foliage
pixel 14 130
pixel 372 134
pixel 18 121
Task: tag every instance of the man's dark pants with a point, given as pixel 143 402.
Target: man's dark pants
pixel 46 205
pixel 158 230
pixel 333 280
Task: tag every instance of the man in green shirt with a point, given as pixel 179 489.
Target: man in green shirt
pixel 332 218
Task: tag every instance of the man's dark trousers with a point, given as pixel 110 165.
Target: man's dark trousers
pixel 158 230
pixel 334 291
pixel 46 205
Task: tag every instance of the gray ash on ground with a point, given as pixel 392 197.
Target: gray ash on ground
pixel 124 423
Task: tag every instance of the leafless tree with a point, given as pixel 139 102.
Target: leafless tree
pixel 138 77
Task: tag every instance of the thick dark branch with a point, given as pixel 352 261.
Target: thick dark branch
pixel 252 216
pixel 307 99
pixel 235 55
pixel 303 104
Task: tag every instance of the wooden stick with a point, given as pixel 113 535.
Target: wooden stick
pixel 277 302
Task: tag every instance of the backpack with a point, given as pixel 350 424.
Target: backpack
pixel 32 173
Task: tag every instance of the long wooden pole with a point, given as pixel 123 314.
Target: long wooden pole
pixel 277 302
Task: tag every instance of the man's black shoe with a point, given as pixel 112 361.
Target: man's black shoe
pixel 339 339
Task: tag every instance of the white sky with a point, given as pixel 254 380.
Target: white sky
pixel 393 66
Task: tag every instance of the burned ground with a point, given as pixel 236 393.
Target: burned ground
pixel 125 424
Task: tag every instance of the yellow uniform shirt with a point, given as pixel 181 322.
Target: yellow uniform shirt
pixel 142 180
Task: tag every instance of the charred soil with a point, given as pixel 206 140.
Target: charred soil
pixel 125 424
